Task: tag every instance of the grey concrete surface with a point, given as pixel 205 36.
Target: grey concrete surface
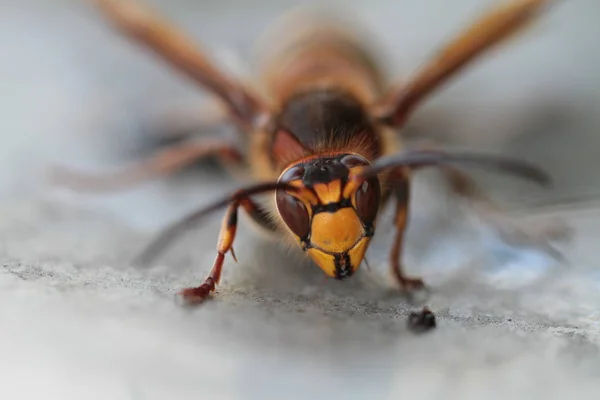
pixel 79 322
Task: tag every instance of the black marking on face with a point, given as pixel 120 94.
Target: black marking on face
pixel 343 268
pixel 324 170
pixel 305 243
pixel 369 229
pixel 331 207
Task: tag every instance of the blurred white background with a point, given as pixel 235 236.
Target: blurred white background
pixel 75 92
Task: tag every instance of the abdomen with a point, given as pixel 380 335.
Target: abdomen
pixel 306 50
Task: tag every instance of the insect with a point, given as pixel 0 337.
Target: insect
pixel 321 136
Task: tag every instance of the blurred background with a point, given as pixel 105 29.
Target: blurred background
pixel 76 316
pixel 77 93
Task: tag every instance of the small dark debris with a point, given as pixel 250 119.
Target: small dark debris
pixel 421 321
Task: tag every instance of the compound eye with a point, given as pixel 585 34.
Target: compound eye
pixel 294 213
pixel 352 160
pixel 292 174
pixel 367 200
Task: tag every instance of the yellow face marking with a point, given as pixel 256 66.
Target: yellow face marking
pixel 227 233
pixel 323 260
pixel 337 238
pixel 336 232
pixel 357 253
pixel 354 182
pixel 326 261
pixel 305 195
pixel 329 192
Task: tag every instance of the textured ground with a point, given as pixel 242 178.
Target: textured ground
pixel 78 322
pixel 81 323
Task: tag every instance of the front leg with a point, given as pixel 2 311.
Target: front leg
pixel 225 244
pixel 401 193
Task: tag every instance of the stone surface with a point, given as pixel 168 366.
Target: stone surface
pixel 80 322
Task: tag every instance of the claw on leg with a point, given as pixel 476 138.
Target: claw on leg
pixel 227 236
pixel 196 295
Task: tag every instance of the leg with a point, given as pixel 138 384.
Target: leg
pixel 164 162
pixel 511 232
pixel 401 193
pixel 489 30
pixel 171 233
pixel 169 44
pixel 225 244
pixel 181 121
pixel 226 238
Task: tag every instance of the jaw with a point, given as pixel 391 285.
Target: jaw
pixel 340 265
